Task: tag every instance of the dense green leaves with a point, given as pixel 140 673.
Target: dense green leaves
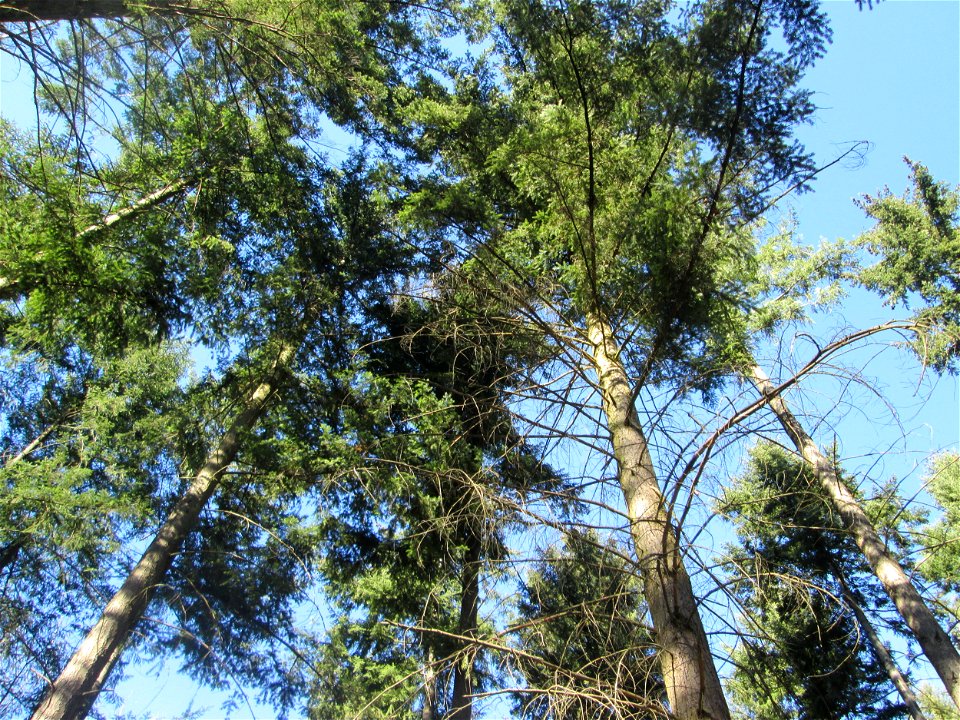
pixel 916 242
pixel 795 573
pixel 597 165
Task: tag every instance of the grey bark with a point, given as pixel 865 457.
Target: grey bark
pixel 933 640
pixel 689 674
pixel 429 709
pixel 72 694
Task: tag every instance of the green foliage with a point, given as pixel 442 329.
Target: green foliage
pixel 587 649
pixel 605 168
pixel 600 159
pixel 791 280
pixel 806 657
pixel 68 285
pixel 937 705
pixel 366 673
pixel 942 539
pixel 916 243
pixel 91 447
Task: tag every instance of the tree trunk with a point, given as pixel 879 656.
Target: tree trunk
pixel 689 675
pixel 935 643
pixel 429 709
pixel 886 659
pixel 145 203
pixel 9 553
pixel 462 703
pixel 71 695
pixel 34 10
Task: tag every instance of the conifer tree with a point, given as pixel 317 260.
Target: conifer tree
pixel 587 650
pixel 611 168
pixel 796 574
pixel 912 251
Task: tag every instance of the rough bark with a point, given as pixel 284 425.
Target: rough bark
pixel 34 10
pixel 934 641
pixel 72 694
pixel 886 659
pixel 462 703
pixel 689 674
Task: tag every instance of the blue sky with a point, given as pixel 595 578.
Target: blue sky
pixel 891 79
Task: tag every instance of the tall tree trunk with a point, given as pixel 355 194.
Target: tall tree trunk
pixel 462 703
pixel 689 674
pixel 933 640
pixel 886 659
pixel 33 10
pixel 71 695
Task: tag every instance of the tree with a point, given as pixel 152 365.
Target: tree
pixel 74 493
pixel 74 691
pixel 802 583
pixel 208 96
pixel 616 226
pixel 587 651
pixel 914 248
pixel 591 184
pixel 415 528
pixel 940 539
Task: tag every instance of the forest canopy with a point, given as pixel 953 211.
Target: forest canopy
pixel 534 402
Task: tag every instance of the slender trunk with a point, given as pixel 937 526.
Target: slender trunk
pixel 462 703
pixel 689 675
pixel 886 659
pixel 73 693
pixel 145 203
pixel 429 710
pixel 9 553
pixel 933 640
pixel 33 10
pixel 31 446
